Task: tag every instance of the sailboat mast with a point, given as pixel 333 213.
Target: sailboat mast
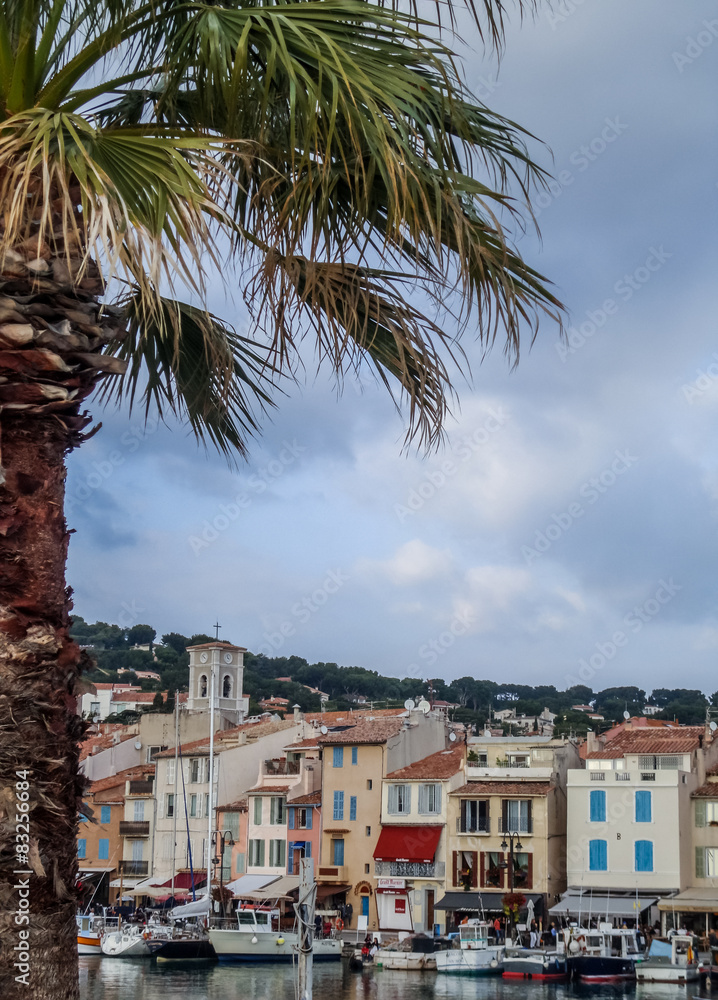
pixel 176 797
pixel 210 809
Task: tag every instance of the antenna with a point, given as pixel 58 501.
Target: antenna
pixel 409 704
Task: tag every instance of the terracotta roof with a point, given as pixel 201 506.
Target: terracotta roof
pixel 365 731
pixel 138 696
pixel 443 764
pixel 313 799
pixel 137 773
pixel 87 747
pixel 220 643
pixel 311 744
pixel 649 740
pixel 522 788
pixel 268 789
pixel 115 685
pixel 239 806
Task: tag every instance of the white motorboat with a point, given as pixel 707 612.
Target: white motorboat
pixel 130 941
pixel 674 961
pixel 257 937
pixel 472 954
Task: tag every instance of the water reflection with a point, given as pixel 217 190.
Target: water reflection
pixel 108 979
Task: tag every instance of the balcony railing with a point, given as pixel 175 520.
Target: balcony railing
pixel 134 867
pixel 597 775
pixel 523 826
pixel 622 775
pixel 480 825
pixel 281 767
pixel 134 828
pixel 141 787
pixel 409 869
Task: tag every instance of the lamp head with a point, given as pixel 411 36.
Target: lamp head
pixel 519 845
pixel 504 845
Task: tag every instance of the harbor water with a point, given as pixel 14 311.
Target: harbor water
pixel 117 979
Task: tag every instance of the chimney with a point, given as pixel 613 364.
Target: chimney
pixel 298 714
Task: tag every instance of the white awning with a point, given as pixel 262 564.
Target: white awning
pixel 249 883
pixel 700 900
pixel 278 889
pixel 197 908
pixel 601 904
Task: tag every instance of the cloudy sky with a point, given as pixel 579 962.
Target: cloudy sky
pixel 567 531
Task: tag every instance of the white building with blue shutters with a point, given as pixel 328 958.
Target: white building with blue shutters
pixel 630 818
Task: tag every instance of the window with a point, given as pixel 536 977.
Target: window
pixel 203 686
pixel 474 816
pixel 353 807
pixel 82 847
pixel 369 784
pixel 516 815
pixel 194 770
pixel 105 814
pixel 597 799
pixel 430 799
pixel 368 831
pixel 170 811
pixel 277 853
pixel 170 772
pixel 227 686
pixel 493 875
pixel 338 852
pixel 338 813
pixel 355 755
pixel 277 815
pixel 366 872
pixel 666 762
pixel 399 800
pixel 94 708
pixel 206 803
pixel 257 812
pixel 706 812
pixel 466 869
pixel 103 849
pixel 193 805
pixel 230 823
pixel 139 810
pixel 522 870
pixel 643 807
pixel 338 757
pixel 644 855
pixel 598 855
pixel 304 819
pixel 136 848
pixel 256 853
pixel 706 862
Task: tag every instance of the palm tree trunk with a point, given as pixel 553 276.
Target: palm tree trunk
pixel 40 730
pixel 52 333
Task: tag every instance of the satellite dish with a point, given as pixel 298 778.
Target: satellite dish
pixel 452 737
pixel 713 726
pixel 424 706
pixel 323 730
pixel 626 715
pixel 487 732
pixel 409 704
pixel 138 745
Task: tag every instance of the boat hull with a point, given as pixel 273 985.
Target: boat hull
pixel 405 961
pixel 186 950
pixel 467 962
pixel 602 968
pixel 549 967
pixel 134 946
pixel 236 946
pixel 88 944
pixel 647 972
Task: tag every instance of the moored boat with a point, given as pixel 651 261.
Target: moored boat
pixel 605 954
pixel 130 941
pixel 674 961
pixel 89 934
pixel 257 937
pixel 472 955
pixel 534 963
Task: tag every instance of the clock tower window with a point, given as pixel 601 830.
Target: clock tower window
pixel 227 686
pixel 203 686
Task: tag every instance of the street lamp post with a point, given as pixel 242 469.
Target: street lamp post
pixel 223 838
pixel 514 841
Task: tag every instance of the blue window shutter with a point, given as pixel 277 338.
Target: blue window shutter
pixel 105 814
pixel 82 847
pixel 290 819
pixel 338 852
pixel 597 855
pixel 598 805
pixel 308 849
pixel 644 855
pixel 338 805
pixel 310 812
pixel 643 807
pixel 355 755
pixel 353 807
pixel 338 760
pixel 103 849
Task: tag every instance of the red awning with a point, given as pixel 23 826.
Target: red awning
pixel 407 843
pixel 183 880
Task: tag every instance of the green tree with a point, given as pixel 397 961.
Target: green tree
pixel 141 635
pixel 323 157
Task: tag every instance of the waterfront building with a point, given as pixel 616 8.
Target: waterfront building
pixel 232 818
pixel 357 756
pixel 409 856
pixel 632 821
pixel 506 825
